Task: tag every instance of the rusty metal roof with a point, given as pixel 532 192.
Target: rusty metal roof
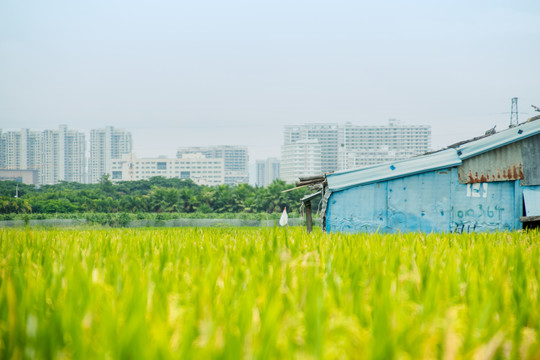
pixel 500 164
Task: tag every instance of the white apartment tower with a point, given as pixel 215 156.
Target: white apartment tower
pixel 267 171
pixel 53 159
pixel 351 146
pixel 300 159
pixel 2 150
pixel 327 136
pixel 57 155
pixel 106 145
pixel 369 145
pixel 34 151
pixel 235 159
pixel 75 155
pixel 21 150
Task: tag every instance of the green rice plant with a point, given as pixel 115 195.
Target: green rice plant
pixel 267 293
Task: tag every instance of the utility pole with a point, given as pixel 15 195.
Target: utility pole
pixel 17 192
pixel 514 113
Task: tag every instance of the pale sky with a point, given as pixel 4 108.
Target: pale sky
pixel 208 72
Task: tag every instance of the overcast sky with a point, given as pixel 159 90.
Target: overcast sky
pixel 181 73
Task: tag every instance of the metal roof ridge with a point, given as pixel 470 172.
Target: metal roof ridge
pixel 397 162
pixel 391 170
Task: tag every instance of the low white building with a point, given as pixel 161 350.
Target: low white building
pixel 197 167
pixel 235 158
pixel 28 177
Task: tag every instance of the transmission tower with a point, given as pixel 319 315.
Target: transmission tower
pixel 514 113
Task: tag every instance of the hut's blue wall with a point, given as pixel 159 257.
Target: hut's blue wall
pixel 432 201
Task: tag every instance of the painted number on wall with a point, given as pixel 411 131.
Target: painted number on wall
pixel 479 212
pixel 477 190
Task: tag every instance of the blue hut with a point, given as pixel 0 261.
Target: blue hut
pixel 485 184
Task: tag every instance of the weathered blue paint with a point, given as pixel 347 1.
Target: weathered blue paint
pixel 433 201
pixel 483 207
pixel 420 202
pixel 359 209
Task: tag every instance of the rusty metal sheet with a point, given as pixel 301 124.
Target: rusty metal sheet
pixel 502 164
pixel 530 151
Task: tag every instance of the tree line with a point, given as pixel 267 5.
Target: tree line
pixel 156 195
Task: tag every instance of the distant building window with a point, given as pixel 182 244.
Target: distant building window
pixel 116 174
pixel 161 166
pixel 185 174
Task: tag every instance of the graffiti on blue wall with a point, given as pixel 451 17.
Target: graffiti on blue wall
pixel 478 212
pixel 433 201
pixel 482 206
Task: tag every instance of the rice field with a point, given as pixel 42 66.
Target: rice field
pixel 189 293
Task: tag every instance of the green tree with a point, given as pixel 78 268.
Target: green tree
pixel 105 184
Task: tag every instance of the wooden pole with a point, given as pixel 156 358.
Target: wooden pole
pixel 309 223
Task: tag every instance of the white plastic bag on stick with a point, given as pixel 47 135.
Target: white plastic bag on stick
pixel 284 220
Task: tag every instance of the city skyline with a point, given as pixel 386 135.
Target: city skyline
pixel 171 149
pixel 147 141
pixel 63 154
pixel 330 147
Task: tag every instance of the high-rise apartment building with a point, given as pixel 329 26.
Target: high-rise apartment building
pixel 300 159
pixel 351 146
pixel 267 171
pixel 197 167
pixel 56 155
pixel 106 145
pixel 361 145
pixel 21 149
pixel 327 136
pixel 75 155
pixel 235 159
pixel 53 158
pixel 2 150
pixel 35 153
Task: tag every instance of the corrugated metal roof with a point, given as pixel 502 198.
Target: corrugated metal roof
pixel 439 160
pixel 499 139
pixel 501 164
